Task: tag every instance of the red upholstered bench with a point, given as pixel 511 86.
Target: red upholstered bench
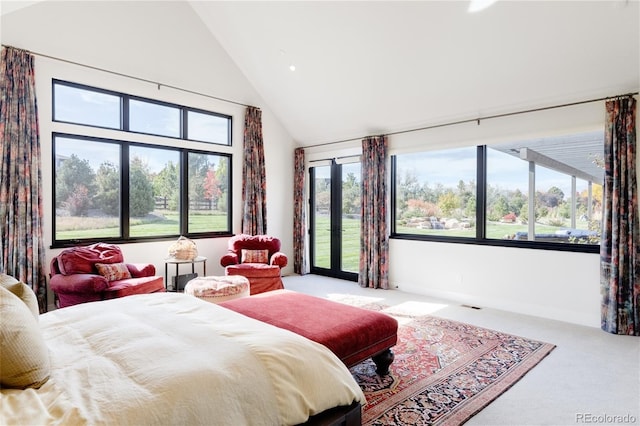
pixel 353 334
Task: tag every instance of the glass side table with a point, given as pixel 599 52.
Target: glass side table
pixel 178 262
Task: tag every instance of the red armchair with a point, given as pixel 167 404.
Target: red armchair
pixel 98 272
pixel 258 258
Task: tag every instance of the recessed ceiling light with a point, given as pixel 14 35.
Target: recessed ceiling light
pixel 478 5
pixel 292 67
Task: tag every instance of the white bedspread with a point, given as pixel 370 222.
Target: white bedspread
pixel 173 359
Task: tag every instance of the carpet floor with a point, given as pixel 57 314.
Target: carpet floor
pixel 444 371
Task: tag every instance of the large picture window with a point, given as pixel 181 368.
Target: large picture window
pixel 119 190
pixel 116 190
pixel 430 199
pixel 543 193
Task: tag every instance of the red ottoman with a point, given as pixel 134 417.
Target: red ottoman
pixel 262 277
pixel 353 334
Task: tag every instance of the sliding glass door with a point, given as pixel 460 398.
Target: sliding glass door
pixel 335 219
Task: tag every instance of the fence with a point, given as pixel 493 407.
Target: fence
pixel 162 203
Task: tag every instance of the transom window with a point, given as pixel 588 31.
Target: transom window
pixel 91 106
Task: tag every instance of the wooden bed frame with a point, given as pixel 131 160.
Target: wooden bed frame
pixel 350 415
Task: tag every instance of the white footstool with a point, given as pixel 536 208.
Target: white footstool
pixel 218 289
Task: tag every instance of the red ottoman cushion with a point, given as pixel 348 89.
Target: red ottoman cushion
pixel 253 270
pixel 129 286
pixel 262 277
pixel 353 334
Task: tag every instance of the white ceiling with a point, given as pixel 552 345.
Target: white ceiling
pixel 366 68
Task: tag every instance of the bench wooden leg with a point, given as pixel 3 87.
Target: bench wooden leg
pixel 383 360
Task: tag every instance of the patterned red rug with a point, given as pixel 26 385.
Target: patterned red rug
pixel 444 372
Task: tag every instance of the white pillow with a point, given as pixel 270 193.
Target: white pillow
pixel 24 358
pixel 23 291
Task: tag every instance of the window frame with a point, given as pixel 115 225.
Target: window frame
pixel 125 113
pixel 480 237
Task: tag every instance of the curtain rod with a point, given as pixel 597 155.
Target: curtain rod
pixel 132 77
pixel 477 120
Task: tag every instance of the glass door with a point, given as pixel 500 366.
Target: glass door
pixel 335 219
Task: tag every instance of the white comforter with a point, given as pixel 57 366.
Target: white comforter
pixel 173 359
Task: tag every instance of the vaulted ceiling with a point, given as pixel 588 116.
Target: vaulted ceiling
pixel 371 67
pixel 365 67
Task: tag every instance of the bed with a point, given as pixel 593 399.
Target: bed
pixel 167 358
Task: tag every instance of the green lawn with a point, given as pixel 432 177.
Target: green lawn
pixel 351 238
pixel 350 244
pixel 168 225
pixel 495 230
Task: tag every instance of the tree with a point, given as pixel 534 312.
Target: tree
pixel 78 201
pixel 198 168
pixel 141 199
pixel 211 187
pixel 222 174
pixel 71 175
pixel 351 191
pixel 322 195
pixel 408 189
pixel 167 184
pixel 448 203
pixel 517 200
pixel 108 192
pixel 552 198
pixel 557 192
pixel 499 208
pixel 467 198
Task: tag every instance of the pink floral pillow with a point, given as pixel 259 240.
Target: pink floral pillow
pixel 255 256
pixel 113 271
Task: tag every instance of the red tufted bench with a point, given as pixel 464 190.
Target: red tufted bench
pixel 353 334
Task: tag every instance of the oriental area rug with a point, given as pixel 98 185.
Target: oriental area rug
pixel 444 371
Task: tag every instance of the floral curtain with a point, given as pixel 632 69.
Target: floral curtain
pixel 21 211
pixel 620 246
pixel 254 192
pixel 374 242
pixel 299 218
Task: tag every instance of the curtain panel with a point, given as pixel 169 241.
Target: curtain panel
pixel 21 210
pixel 254 192
pixel 620 246
pixel 374 242
pixel 299 217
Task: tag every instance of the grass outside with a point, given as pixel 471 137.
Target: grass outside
pixel 71 228
pixel 351 238
pixel 494 231
pixel 350 244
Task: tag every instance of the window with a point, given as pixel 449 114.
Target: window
pixel 74 104
pixel 154 188
pixel 543 193
pixel 208 127
pixel 208 192
pixel 154 118
pixel 108 189
pixel 90 106
pixel 87 189
pixel 430 199
pixel 118 190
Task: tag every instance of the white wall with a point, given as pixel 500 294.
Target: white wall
pixel 165 43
